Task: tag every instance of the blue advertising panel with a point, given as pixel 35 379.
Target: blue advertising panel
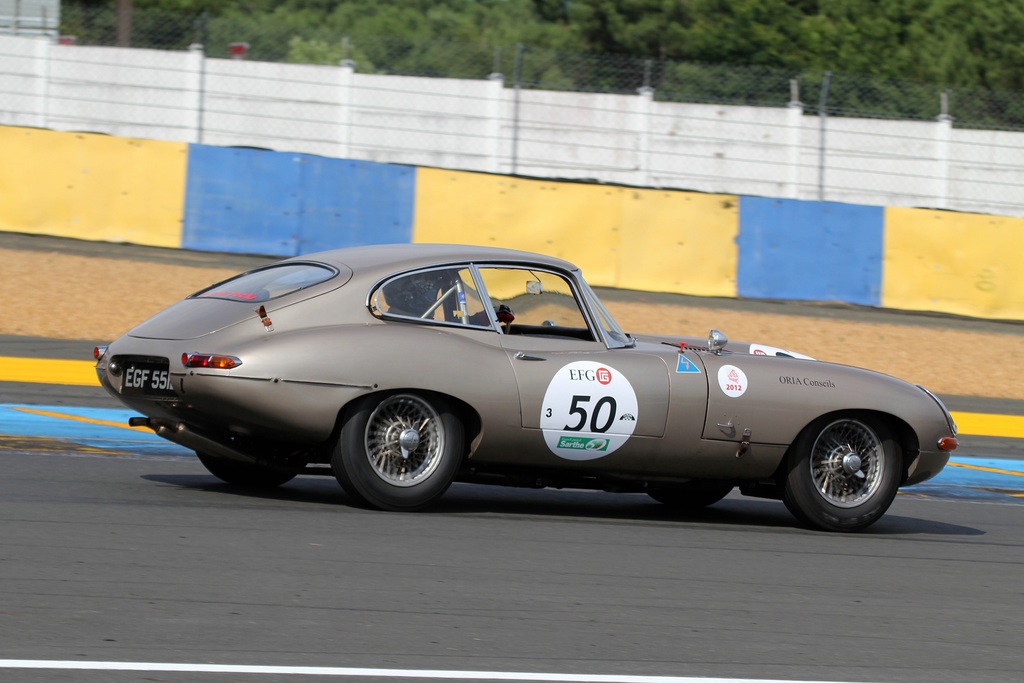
pixel 276 203
pixel 813 251
pixel 349 203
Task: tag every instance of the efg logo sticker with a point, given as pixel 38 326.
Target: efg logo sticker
pixel 589 411
pixel 732 380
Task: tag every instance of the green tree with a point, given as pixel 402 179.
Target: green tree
pixel 749 32
pixel 972 42
pixel 648 28
pixel 959 43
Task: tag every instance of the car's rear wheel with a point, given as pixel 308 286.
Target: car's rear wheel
pixel 842 473
pixel 398 451
pixel 692 495
pixel 245 474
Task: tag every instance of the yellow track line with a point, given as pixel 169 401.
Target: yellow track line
pixel 48 371
pixel 982 424
pixel 79 418
pixel 979 468
pixel 83 373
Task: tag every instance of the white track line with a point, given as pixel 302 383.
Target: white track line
pixel 376 673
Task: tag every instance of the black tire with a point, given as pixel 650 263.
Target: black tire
pixel 842 473
pixel 693 495
pixel 245 474
pixel 398 452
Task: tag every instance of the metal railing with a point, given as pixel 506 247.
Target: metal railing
pixel 850 95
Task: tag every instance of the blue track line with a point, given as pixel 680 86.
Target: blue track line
pixel 105 431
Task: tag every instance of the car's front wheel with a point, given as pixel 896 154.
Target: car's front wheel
pixel 398 451
pixel 842 473
pixel 246 474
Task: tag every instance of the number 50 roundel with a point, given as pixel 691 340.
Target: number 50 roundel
pixel 589 410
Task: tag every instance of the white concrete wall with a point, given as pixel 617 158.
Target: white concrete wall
pixel 486 125
pixel 697 145
pixel 29 17
pixel 440 122
pixel 290 107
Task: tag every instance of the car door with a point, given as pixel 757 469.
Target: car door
pixel 586 399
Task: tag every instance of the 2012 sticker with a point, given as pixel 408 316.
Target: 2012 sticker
pixel 732 381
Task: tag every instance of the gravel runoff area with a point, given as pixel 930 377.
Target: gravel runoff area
pixel 70 289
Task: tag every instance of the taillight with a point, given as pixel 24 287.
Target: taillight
pixel 209 360
pixel 99 351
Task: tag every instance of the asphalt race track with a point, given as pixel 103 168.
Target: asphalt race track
pixel 121 559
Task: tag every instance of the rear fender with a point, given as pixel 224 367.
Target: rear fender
pixel 472 423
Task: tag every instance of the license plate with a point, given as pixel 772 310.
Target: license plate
pixel 146 378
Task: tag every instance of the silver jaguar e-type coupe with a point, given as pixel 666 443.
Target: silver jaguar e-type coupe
pixel 399 369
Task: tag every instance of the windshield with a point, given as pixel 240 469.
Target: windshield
pixel 535 297
pixel 268 283
pixel 614 334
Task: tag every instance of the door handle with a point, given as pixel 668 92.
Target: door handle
pixel 525 356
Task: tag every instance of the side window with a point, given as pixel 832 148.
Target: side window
pixel 541 302
pixel 445 296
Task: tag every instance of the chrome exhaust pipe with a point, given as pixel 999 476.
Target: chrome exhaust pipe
pixel 180 434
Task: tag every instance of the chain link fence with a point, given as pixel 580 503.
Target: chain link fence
pixel 849 95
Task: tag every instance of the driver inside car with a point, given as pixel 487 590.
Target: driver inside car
pixel 502 312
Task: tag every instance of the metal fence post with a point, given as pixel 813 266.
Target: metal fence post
pixel 346 74
pixel 197 56
pixel 795 114
pixel 518 78
pixel 42 55
pixel 642 113
pixel 124 23
pixel 943 131
pixel 495 109
pixel 823 117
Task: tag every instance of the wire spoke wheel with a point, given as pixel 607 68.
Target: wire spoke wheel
pixel 404 440
pixel 398 451
pixel 842 472
pixel 846 463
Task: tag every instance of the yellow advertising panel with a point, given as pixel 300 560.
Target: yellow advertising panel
pixel 960 263
pixel 679 242
pixel 92 187
pixel 579 223
pixel 620 237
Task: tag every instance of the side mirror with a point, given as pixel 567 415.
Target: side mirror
pixel 717 341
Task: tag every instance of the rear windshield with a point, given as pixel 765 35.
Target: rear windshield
pixel 268 283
